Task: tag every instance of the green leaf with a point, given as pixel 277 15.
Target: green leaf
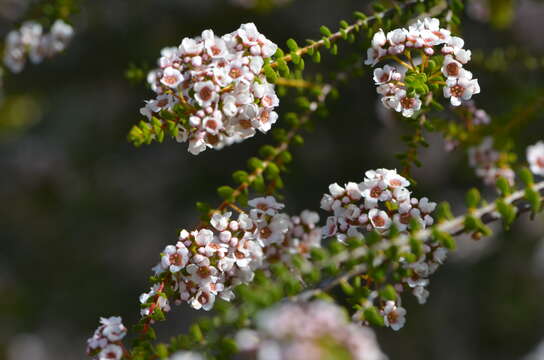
pixel 325 30
pixel 292 45
pixel 161 350
pixel 526 176
pixel 316 57
pixel 225 192
pixel 372 315
pixel 503 186
pixel 507 211
pixel 388 293
pixel 240 176
pixel 271 74
pixel 534 198
pixel 473 198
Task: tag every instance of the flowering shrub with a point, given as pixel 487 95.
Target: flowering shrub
pixel 378 241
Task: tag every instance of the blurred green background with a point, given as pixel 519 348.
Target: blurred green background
pixel 84 215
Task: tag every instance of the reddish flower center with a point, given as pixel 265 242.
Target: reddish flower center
pixel 392 317
pixel 439 35
pixel 265 116
pixel 267 101
pixel 170 79
pixel 212 139
pixel 405 218
pixel 375 192
pixel 246 124
pixel 407 102
pixel 378 221
pixel 235 73
pixel 204 272
pixel 457 90
pixel 211 124
pixel 452 69
pixel 205 93
pixel 203 298
pixel 176 259
pixel 216 50
pixel 265 233
pixel 540 161
pixel 395 182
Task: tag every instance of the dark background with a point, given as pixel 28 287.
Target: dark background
pixel 83 214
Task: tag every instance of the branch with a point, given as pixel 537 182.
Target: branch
pixel 454 227
pixel 282 146
pixel 327 40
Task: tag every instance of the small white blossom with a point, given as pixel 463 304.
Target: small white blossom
pixel 394 316
pixel 535 157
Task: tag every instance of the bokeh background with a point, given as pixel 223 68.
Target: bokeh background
pixel 83 214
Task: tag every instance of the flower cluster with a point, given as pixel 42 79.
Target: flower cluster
pixel 105 344
pixel 209 262
pixel 433 256
pixel 401 88
pixel 535 157
pixel 416 280
pixel 379 202
pixel 303 234
pixel 488 163
pixel 215 88
pixel 317 330
pixel 30 40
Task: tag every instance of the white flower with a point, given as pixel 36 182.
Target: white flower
pixel 406 104
pixel 186 355
pixel 111 352
pixel 421 294
pixel 535 157
pixel 394 180
pixel 203 300
pixel 379 39
pixel 220 221
pixel 197 143
pixel 171 77
pixel 205 93
pixel 393 315
pixel 439 255
pixel 309 217
pixel 264 206
pixel 175 258
pixel 374 55
pixel 461 88
pixel 462 55
pixel 388 73
pixel 379 219
pixel 451 67
pixel 190 47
